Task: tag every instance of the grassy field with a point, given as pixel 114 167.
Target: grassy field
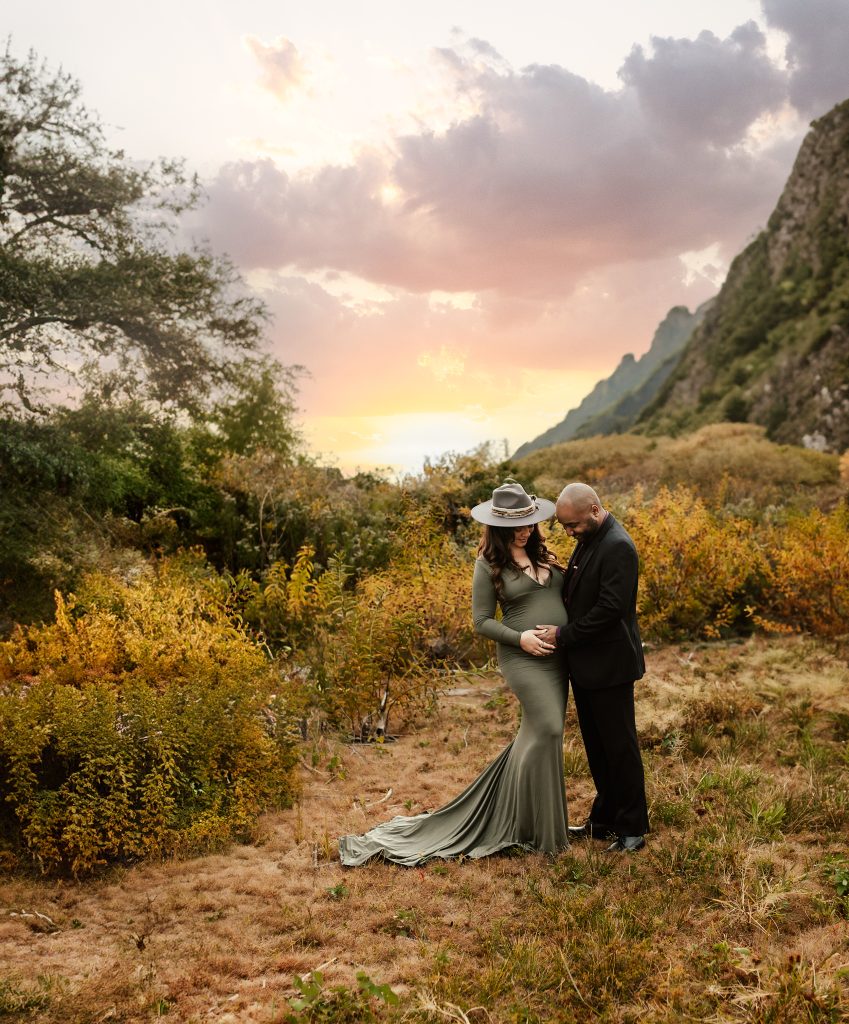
pixel 736 910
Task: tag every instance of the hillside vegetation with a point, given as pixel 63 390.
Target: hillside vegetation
pixel 728 464
pixel 774 347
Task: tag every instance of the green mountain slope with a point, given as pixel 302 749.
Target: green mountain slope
pixel 630 376
pixel 624 413
pixel 774 347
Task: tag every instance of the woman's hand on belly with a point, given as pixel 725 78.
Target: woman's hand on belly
pixel 532 642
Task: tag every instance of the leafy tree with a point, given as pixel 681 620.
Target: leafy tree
pixel 120 475
pixel 94 287
pixel 256 414
pixel 158 347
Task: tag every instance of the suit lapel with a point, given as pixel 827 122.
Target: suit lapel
pixel 579 568
pixel 576 571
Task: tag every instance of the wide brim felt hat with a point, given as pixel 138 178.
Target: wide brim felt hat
pixel 512 506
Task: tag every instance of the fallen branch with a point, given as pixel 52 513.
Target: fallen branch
pixel 309 768
pixel 382 800
pixel 36 919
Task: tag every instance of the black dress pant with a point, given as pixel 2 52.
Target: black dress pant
pixel 609 732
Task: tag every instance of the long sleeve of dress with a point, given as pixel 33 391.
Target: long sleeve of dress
pixel 483 608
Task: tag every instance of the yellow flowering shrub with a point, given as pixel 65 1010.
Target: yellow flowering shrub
pixel 401 625
pixel 808 585
pixel 699 569
pixel 360 651
pixel 145 720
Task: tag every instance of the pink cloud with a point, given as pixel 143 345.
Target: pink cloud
pixel 552 177
pixel 364 362
pixel 282 71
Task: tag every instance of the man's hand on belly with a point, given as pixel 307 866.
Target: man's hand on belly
pixel 547 633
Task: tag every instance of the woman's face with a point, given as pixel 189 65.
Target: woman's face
pixel 521 535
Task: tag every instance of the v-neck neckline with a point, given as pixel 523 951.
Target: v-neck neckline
pixel 533 579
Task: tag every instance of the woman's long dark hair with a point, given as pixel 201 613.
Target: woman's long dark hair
pixel 495 548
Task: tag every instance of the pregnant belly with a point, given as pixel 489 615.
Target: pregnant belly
pixel 546 609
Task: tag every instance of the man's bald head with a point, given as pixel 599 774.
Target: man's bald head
pixel 579 510
pixel 579 496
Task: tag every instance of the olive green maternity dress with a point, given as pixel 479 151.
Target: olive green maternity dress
pixel 519 800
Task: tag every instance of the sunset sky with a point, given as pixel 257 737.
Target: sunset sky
pixel 461 214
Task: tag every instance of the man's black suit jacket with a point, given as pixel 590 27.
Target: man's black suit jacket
pixel 602 639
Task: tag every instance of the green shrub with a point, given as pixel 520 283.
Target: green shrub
pixel 338 1005
pixel 402 625
pixel 363 649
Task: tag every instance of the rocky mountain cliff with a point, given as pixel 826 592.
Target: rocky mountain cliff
pixel 606 408
pixel 774 347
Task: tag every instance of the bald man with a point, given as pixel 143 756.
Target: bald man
pixel 604 654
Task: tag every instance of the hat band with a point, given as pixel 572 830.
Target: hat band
pixel 515 513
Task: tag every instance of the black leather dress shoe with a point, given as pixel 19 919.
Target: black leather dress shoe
pixel 626 844
pixel 590 831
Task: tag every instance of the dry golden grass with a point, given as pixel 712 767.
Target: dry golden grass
pixel 732 913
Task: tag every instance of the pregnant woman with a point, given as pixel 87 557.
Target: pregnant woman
pixel 519 800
